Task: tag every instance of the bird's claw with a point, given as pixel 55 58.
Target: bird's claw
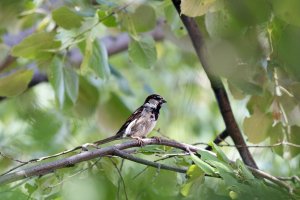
pixel 158 139
pixel 139 140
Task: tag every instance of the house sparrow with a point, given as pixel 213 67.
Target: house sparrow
pixel 141 122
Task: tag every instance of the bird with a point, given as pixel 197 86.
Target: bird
pixel 141 122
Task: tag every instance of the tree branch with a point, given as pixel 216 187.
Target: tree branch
pixel 128 156
pixel 271 178
pixel 119 150
pixel 49 167
pixel 221 137
pixel 198 42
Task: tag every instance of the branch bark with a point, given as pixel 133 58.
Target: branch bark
pixel 49 167
pixel 197 38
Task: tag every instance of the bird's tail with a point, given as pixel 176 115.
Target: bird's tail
pixel 107 140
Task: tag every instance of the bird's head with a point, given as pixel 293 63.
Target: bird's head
pixel 154 101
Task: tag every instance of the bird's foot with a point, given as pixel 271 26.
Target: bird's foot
pixel 158 139
pixel 140 140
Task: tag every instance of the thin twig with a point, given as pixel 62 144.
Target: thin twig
pixel 253 146
pixel 42 158
pixel 73 175
pixel 119 182
pixel 127 156
pixel 11 158
pixel 271 178
pixel 121 179
pixel 294 179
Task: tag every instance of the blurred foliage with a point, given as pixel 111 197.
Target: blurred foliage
pixel 253 44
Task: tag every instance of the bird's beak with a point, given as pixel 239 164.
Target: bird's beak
pixel 163 101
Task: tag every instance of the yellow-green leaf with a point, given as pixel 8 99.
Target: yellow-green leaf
pixel 143 18
pixel 195 179
pixel 37 45
pixel 277 136
pixel 257 125
pixel 295 139
pixel 112 113
pixel 206 168
pixel 15 83
pixel 66 18
pixel 287 10
pixel 95 59
pixel 143 52
pixel 107 18
pixel 194 8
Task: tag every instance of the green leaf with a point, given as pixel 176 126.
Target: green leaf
pixel 261 102
pixel 87 98
pixel 173 21
pixel 285 38
pixel 221 165
pixel 107 18
pixel 194 8
pixel 221 24
pixel 220 154
pixel 71 83
pixel 48 123
pixel 30 188
pixel 121 80
pixel 66 18
pixel 143 18
pixel 277 136
pixel 110 170
pixel 112 113
pixel 294 139
pixel 287 10
pixel 237 93
pixel 195 179
pixel 250 12
pixel 207 155
pixel 15 83
pixel 143 52
pixel 248 87
pixel 64 81
pixel 206 168
pixel 244 171
pixel 256 126
pixel 57 80
pixel 37 45
pixel 95 59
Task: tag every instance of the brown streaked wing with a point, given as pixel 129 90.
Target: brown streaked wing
pixel 136 114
